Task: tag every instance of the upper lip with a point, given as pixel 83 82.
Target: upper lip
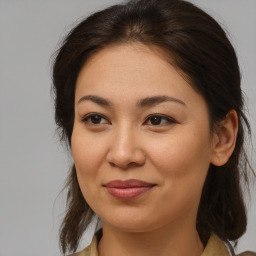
pixel 132 183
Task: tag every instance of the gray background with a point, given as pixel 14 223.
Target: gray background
pixel 32 161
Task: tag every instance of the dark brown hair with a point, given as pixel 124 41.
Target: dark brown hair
pixel 199 48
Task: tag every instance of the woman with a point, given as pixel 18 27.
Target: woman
pixel 148 97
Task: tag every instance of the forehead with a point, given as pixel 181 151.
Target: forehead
pixel 120 60
pixel 134 71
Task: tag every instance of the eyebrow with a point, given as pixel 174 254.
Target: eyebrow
pixel 152 101
pixel 96 99
pixel 146 102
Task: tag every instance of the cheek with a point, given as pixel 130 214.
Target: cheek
pixel 183 160
pixel 88 155
pixel 183 165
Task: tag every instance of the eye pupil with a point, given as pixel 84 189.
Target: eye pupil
pixel 156 120
pixel 96 119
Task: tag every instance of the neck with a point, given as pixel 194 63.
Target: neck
pixel 164 241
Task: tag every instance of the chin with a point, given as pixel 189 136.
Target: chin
pixel 132 224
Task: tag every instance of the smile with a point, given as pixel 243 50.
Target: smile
pixel 128 189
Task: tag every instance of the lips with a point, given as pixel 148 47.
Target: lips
pixel 128 189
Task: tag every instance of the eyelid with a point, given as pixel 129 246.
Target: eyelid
pixel 168 118
pixel 86 117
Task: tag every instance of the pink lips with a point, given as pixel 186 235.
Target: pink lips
pixel 128 189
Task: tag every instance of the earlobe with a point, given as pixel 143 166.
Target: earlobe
pixel 225 139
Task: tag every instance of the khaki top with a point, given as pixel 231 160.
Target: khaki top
pixel 214 247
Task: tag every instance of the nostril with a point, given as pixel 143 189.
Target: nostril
pixel 125 166
pixel 126 157
pixel 133 164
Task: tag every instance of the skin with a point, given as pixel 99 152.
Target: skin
pixel 123 142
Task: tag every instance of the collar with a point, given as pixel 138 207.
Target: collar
pixel 215 247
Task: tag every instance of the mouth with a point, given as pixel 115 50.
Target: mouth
pixel 128 189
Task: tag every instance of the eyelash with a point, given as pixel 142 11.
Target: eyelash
pixel 89 116
pixel 169 120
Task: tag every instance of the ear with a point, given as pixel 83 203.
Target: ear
pixel 224 139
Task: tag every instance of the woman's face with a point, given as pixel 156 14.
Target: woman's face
pixel 136 118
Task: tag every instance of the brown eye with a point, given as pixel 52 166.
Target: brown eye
pixel 94 119
pixel 158 120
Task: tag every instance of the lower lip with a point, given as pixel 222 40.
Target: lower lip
pixel 128 193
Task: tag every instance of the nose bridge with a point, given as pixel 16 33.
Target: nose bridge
pixel 123 135
pixel 125 147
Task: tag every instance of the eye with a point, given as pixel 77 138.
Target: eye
pixel 157 120
pixel 94 119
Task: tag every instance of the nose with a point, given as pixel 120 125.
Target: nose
pixel 126 151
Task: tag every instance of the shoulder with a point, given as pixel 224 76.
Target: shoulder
pixel 90 250
pixel 247 253
pixel 216 247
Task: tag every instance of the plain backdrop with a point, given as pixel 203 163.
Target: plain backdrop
pixel 33 164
